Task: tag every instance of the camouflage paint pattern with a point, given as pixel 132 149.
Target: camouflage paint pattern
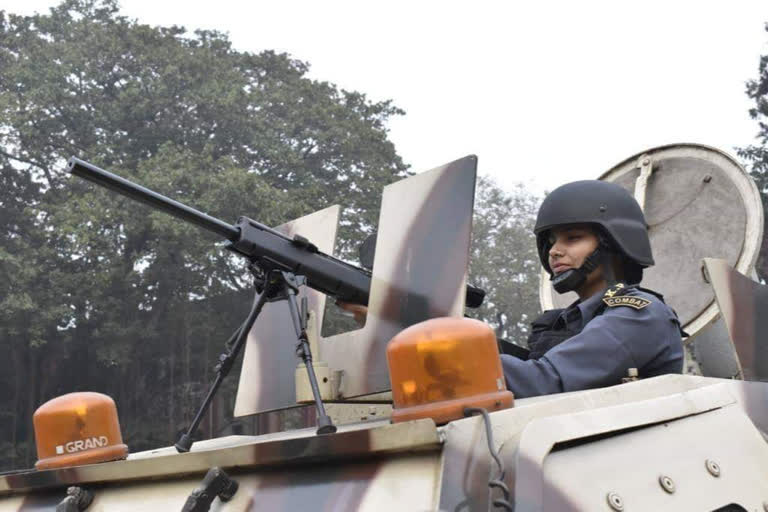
pixel 267 380
pixel 578 447
pixel 383 483
pixel 419 270
pixel 743 304
pixel 753 397
pixel 379 484
pixel 422 217
pixel 302 446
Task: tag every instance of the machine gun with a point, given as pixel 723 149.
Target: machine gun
pixel 266 248
pixel 280 264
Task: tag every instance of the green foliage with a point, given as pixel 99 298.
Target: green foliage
pixel 503 259
pixel 101 293
pixel 757 154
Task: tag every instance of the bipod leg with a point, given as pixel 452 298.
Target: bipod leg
pixel 226 361
pixel 291 287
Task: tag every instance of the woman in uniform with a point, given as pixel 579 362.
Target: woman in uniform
pixel 592 239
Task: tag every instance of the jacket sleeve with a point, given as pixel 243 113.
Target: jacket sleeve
pixel 533 377
pixel 600 355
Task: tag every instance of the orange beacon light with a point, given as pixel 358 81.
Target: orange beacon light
pixel 76 429
pixel 440 366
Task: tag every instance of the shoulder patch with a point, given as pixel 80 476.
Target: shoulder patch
pixel 610 292
pixel 626 300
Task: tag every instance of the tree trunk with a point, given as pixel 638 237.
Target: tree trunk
pixel 32 398
pixel 18 360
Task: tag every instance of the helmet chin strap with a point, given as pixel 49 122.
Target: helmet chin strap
pixel 573 278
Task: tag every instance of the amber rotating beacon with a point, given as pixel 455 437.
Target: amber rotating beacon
pixel 440 366
pixel 76 429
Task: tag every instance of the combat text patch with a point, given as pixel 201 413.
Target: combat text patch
pixel 626 300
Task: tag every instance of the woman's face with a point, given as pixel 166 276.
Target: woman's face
pixel 571 244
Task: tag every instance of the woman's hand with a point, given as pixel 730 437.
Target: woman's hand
pixel 359 312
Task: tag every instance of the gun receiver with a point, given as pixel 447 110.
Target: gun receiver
pixel 264 246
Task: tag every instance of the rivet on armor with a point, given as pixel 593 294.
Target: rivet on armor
pixel 713 468
pixel 667 484
pixel 615 501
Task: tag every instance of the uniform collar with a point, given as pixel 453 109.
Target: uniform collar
pixel 580 313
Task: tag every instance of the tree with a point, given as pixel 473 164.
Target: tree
pixel 504 261
pixel 757 154
pixel 102 294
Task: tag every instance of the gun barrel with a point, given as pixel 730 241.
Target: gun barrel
pixel 131 190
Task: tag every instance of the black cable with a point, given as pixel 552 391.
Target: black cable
pixel 498 482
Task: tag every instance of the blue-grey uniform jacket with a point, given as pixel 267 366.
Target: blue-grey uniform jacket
pixel 633 329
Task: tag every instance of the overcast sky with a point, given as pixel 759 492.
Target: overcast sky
pixel 542 92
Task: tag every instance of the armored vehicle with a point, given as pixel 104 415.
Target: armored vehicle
pixel 411 411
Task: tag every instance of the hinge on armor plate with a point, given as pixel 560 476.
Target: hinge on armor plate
pixel 641 183
pixel 216 483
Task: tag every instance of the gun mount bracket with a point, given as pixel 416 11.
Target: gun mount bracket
pixel 77 500
pixel 215 484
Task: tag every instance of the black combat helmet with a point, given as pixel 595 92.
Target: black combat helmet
pixel 600 203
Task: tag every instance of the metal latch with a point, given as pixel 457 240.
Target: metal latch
pixel 641 183
pixel 215 484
